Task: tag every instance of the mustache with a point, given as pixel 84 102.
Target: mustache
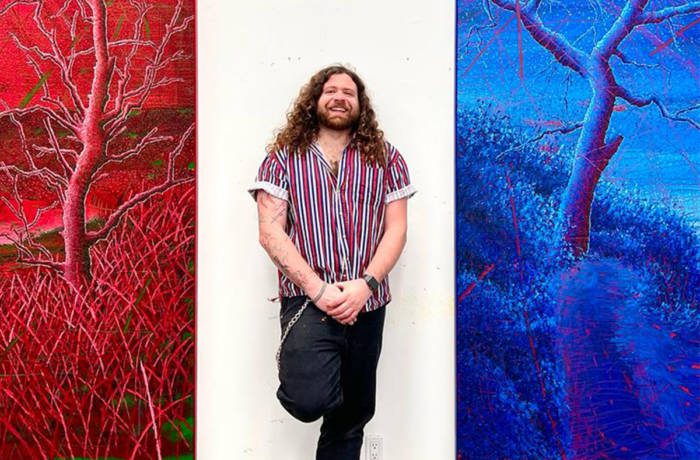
pixel 338 105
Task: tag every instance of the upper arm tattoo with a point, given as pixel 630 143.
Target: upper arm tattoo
pixel 271 209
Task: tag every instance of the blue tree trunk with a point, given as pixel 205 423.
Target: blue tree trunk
pixel 592 155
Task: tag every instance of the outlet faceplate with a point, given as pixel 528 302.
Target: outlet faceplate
pixel 374 447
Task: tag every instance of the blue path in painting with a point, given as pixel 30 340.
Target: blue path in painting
pixel 613 388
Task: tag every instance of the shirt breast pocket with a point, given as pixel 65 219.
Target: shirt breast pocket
pixel 369 192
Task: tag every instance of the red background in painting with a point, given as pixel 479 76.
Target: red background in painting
pixel 18 78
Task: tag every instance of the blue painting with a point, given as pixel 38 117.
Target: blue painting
pixel 578 229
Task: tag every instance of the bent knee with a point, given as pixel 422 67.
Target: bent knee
pixel 308 408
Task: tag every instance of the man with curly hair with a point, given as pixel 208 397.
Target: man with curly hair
pixel 331 197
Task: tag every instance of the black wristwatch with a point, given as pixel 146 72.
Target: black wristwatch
pixel 371 282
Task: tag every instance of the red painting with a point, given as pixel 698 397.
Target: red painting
pixel 97 229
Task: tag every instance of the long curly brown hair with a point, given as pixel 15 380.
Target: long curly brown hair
pixel 302 125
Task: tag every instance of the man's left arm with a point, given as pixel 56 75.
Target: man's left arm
pixel 357 292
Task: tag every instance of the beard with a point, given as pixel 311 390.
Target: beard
pixel 337 121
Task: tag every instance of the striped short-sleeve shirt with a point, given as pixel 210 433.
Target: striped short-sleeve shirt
pixel 335 223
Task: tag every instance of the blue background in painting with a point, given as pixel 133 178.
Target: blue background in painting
pixel 661 157
pixel 598 356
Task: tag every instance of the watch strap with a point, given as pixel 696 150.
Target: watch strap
pixel 371 282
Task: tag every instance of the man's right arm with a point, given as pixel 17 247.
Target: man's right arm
pixel 272 220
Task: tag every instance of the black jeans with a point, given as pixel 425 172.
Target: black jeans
pixel 329 370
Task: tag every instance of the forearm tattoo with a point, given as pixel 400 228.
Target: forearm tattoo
pixel 277 246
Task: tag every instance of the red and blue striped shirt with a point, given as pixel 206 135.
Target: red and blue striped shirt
pixel 335 223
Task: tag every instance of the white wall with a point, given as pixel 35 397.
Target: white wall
pixel 253 57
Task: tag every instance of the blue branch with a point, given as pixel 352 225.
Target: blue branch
pixel 654 17
pixel 621 28
pixel 645 101
pixel 562 50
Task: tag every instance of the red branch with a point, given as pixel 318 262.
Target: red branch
pixel 169 182
pixel 22 238
pixel 128 99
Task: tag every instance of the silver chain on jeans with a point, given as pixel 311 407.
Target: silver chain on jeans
pixel 294 319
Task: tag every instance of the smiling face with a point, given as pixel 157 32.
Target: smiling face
pixel 338 106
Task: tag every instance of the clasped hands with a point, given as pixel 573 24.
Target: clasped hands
pixel 344 300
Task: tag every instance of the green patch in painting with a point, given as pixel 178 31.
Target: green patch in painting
pixel 147 28
pixel 77 37
pixel 185 111
pixel 190 166
pixel 8 348
pixel 127 323
pixel 118 29
pixel 133 113
pixel 142 292
pixel 88 458
pixel 28 97
pixel 74 41
pixel 190 312
pixel 96 223
pixel 190 307
pixel 128 401
pixel 180 457
pixel 157 163
pixel 132 135
pixel 171 432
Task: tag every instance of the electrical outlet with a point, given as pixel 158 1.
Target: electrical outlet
pixel 374 448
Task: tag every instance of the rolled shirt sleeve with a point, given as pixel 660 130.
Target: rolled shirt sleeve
pixel 398 184
pixel 271 177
